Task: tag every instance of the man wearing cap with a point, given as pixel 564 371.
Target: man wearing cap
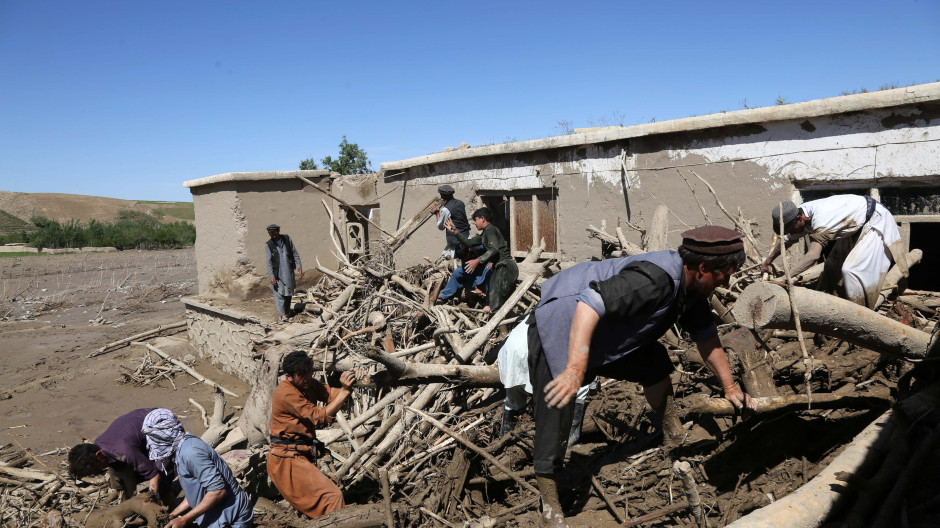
pixel 283 259
pixel 858 236
pixel 604 318
pixel 452 209
pixel 505 272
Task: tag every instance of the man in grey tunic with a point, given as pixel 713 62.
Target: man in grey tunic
pixel 283 260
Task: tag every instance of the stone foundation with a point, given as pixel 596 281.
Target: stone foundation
pixel 224 336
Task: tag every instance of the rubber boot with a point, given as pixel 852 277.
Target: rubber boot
pixel 509 422
pixel 552 515
pixel 575 434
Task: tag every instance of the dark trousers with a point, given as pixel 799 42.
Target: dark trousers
pixel 647 366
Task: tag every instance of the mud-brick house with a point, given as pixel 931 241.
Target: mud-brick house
pixel 884 144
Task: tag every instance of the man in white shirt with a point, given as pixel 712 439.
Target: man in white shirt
pixel 860 235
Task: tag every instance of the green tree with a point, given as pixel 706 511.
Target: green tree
pixel 351 160
pixel 308 164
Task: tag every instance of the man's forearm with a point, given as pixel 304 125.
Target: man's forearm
pixel 211 499
pixel 714 357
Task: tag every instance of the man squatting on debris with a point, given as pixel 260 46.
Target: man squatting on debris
pixel 283 259
pixel 505 271
pixel 295 417
pixel 122 449
pixel 859 235
pixel 212 496
pixel 604 318
pixel 452 209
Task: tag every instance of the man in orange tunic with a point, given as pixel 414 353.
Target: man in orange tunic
pixel 295 416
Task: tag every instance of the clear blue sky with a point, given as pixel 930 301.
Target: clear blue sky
pixel 128 99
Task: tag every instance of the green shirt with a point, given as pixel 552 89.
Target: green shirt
pixel 496 247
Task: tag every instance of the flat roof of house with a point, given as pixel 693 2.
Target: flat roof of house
pixel 255 176
pixel 820 107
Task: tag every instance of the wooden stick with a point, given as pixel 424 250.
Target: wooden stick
pixel 387 498
pixel 745 232
pixel 652 516
pixel 807 362
pixel 823 400
pixel 610 503
pixel 344 202
pixel 137 337
pixel 492 460
pixel 185 367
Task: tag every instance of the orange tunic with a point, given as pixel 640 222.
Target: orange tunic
pixel 295 416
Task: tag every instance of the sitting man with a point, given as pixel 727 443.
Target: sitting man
pixel 505 271
pixel 479 279
pixel 122 450
pixel 295 417
pixel 213 498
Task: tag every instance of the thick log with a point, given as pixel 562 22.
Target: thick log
pixel 723 407
pixel 809 506
pixel 398 237
pixel 217 428
pixel 765 305
pixel 255 420
pixel 658 232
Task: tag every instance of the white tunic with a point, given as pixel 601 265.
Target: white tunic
pixel 839 217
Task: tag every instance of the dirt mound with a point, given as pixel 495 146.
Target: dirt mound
pixel 64 207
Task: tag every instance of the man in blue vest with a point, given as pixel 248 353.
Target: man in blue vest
pixel 283 260
pixel 605 318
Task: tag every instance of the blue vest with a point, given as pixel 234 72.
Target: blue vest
pixel 613 338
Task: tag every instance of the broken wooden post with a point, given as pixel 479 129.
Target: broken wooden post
pixel 766 305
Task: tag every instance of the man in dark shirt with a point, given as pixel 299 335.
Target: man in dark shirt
pixel 604 318
pixel 122 449
pixel 505 271
pixel 453 210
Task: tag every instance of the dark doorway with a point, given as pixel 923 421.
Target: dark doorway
pixel 924 236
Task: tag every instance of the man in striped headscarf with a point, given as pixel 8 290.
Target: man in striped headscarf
pixel 213 497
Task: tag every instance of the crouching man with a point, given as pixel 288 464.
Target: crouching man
pixel 122 450
pixel 295 417
pixel 213 498
pixel 604 318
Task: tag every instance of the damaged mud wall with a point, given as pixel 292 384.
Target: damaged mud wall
pixel 232 212
pixel 750 166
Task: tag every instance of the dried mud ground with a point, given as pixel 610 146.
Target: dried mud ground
pixel 55 310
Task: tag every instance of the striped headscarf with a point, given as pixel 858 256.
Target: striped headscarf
pixel 164 432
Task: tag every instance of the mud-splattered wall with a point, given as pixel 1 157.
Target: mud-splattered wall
pixel 752 159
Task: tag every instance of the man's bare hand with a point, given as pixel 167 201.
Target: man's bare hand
pixel 177 522
pixel 741 400
pixel 435 208
pixel 449 225
pixel 273 281
pixel 471 265
pixel 559 391
pixel 299 271
pixel 348 379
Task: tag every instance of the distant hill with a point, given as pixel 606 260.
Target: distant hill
pixel 17 208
